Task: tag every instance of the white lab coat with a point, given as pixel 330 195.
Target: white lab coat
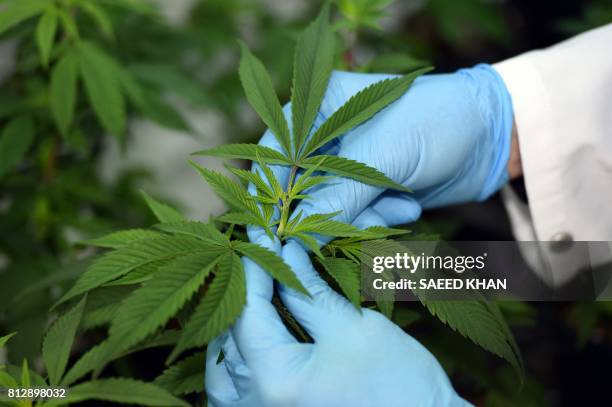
pixel 562 99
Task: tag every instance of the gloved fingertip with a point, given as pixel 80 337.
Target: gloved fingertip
pixel 397 208
pixel 259 236
pixel 368 218
pixel 298 259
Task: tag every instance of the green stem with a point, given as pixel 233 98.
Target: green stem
pixel 286 203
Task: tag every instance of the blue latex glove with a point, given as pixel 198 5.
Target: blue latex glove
pixel 447 139
pixel 358 359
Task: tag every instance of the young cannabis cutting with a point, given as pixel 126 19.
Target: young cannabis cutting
pixel 151 277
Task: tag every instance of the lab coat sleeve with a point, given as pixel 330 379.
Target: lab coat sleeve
pixel 562 100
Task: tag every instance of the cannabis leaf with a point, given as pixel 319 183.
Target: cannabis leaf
pixel 4 339
pixel 221 305
pixel 102 305
pixel 103 87
pixel 247 152
pixel 260 94
pixel 58 341
pixel 152 305
pixel 265 193
pixel 15 140
pixel 347 275
pixel 93 357
pixel 163 212
pixel 272 263
pixel 351 169
pixel 323 224
pixel 232 193
pixel 121 238
pixel 99 16
pixel 18 10
pixel 63 90
pixel 25 374
pixel 120 262
pixel 123 391
pixel 477 321
pixel 184 376
pixel 45 33
pixel 359 108
pixel 314 57
pixel 202 231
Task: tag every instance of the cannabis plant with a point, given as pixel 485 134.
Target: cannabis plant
pixel 188 274
pixel 21 385
pixel 181 283
pixel 80 70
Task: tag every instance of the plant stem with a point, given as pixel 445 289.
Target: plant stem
pixel 286 203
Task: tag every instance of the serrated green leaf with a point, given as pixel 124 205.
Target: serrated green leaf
pixel 99 16
pixel 239 218
pixel 304 183
pixel 221 305
pixel 86 363
pixel 138 275
pixel 474 320
pixel 17 11
pixel 352 169
pixel 123 391
pixel 94 356
pixel 45 33
pixel 121 238
pixel 260 93
pixel 120 262
pixel 324 225
pixel 63 91
pixel 184 377
pixel 384 232
pixel 270 178
pixel 363 252
pixel 203 231
pixel 271 263
pixel 348 276
pixel 359 108
pixel 310 242
pixel 152 305
pixel 247 152
pixel 163 212
pixel 15 141
pixel 102 305
pixel 372 233
pixel 102 83
pixel 232 193
pixel 4 339
pixel 314 58
pixel 58 342
pixel 256 179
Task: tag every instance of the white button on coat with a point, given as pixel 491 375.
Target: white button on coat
pixel 562 99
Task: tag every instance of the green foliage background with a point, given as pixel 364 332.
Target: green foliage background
pixel 85 68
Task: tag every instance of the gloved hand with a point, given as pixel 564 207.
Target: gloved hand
pixel 357 359
pixel 448 139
